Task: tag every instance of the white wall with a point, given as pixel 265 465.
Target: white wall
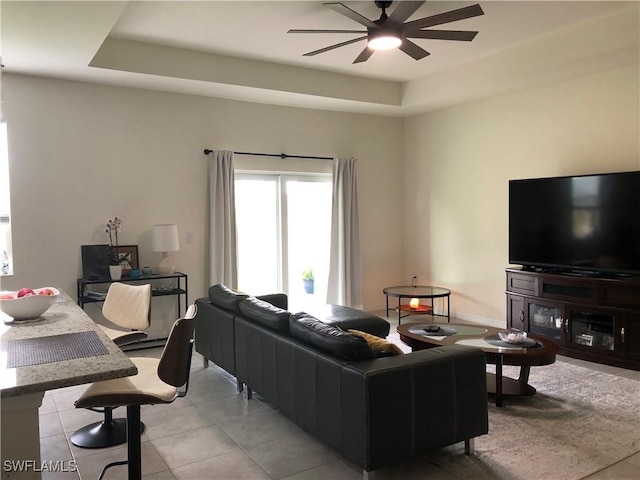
pixel 458 162
pixel 433 188
pixel 81 153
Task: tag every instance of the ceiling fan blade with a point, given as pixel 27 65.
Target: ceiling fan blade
pixel 452 16
pixel 413 50
pixel 352 14
pixel 461 35
pixel 364 55
pixel 404 10
pixel 332 47
pixel 296 30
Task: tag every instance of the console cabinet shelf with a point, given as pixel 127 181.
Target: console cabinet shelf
pixel 591 318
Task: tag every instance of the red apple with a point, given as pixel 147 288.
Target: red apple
pixel 46 291
pixel 24 292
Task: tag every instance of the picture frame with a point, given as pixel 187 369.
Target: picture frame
pixel 131 250
pixel 584 339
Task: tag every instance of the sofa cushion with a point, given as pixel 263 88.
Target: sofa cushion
pixel 346 318
pixel 226 298
pixel 380 346
pixel 265 314
pixel 330 339
pixel 280 300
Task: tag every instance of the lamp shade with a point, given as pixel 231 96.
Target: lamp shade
pixel 164 238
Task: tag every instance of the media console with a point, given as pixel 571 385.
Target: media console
pixel 591 318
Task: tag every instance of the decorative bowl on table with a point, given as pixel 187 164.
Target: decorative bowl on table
pixel 27 304
pixel 512 335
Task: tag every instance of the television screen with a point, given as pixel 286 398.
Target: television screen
pixel 587 223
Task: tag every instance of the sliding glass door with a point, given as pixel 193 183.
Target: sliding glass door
pixel 284 228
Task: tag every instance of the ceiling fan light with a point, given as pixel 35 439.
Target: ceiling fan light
pixel 385 41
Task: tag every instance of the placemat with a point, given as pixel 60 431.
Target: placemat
pixel 495 341
pixel 56 348
pixel 442 331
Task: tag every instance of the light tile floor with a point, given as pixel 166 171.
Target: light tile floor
pixel 215 433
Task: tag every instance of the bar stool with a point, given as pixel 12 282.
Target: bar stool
pixel 157 381
pixel 129 307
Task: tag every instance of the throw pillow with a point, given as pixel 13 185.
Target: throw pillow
pixel 380 346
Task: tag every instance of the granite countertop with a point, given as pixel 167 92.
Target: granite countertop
pixel 64 317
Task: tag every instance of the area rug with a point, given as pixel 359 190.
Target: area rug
pixel 579 422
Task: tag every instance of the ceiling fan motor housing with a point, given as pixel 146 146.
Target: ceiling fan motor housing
pixel 387 36
pixel 383 5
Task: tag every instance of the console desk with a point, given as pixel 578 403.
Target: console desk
pixel 179 287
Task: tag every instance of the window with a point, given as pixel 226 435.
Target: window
pixel 6 265
pixel 284 229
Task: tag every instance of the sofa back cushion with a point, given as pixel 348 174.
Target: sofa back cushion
pixel 265 314
pixel 226 298
pixel 280 300
pixel 329 339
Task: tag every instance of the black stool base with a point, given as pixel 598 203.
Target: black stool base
pixel 102 434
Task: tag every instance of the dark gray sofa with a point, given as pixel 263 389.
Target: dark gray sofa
pixel 216 314
pixel 373 411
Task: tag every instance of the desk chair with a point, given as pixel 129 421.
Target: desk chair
pixel 157 381
pixel 129 307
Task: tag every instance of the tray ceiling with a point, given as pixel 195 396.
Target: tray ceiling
pixel 241 50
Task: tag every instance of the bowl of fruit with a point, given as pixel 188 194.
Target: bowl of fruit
pixel 512 335
pixel 27 303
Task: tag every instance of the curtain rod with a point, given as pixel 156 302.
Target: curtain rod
pixel 207 151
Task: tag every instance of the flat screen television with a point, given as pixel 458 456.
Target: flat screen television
pixel 588 224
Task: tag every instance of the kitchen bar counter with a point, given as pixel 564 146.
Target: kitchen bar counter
pixel 34 345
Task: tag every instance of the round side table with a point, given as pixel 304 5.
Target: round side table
pixel 418 291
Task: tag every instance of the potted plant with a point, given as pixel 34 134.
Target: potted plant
pixel 116 260
pixel 308 279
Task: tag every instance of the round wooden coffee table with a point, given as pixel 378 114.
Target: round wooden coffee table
pixel 498 353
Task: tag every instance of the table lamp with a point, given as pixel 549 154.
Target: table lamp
pixel 164 238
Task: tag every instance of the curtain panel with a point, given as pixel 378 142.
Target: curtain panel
pixel 345 269
pixel 223 263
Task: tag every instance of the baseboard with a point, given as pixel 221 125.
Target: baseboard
pixel 479 320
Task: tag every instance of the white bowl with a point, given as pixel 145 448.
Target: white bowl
pixel 27 308
pixel 512 335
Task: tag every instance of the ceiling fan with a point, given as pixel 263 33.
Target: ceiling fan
pixel 393 31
